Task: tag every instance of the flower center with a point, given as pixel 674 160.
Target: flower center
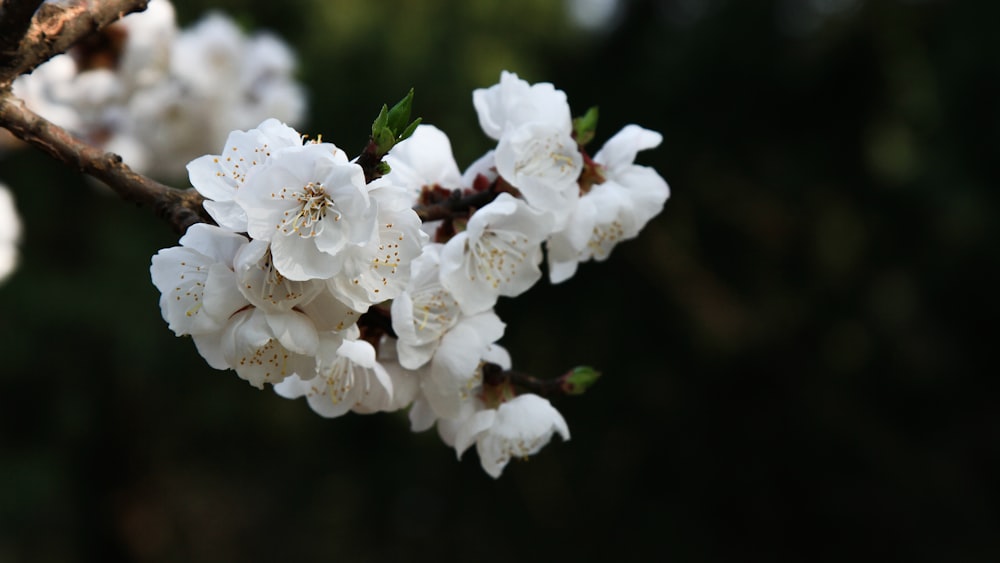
pixel 496 256
pixel 314 205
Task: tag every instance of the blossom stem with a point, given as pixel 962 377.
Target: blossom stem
pixel 371 162
pixel 180 208
pixel 54 28
pixel 495 375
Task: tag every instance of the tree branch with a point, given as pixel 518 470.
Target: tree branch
pixel 54 29
pixel 15 17
pixel 180 208
pixel 455 204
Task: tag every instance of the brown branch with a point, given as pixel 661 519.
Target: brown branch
pixel 57 27
pixel 180 208
pixel 15 17
pixel 456 204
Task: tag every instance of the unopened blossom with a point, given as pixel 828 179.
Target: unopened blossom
pixel 614 209
pixel 348 377
pixel 10 233
pixel 497 254
pixel 311 204
pixel 518 428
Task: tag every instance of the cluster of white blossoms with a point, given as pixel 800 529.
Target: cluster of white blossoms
pixel 10 233
pixel 332 288
pixel 159 96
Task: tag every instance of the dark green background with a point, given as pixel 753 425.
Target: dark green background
pixel 796 351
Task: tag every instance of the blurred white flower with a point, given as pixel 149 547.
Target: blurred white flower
pixel 10 233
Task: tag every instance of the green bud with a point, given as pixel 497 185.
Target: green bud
pixel 391 127
pixel 400 113
pixel 585 126
pixel 579 379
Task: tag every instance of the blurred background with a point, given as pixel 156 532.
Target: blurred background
pixel 793 350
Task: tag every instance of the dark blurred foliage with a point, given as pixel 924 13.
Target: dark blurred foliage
pixel 796 351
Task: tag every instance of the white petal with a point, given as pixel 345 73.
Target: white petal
pixel 621 149
pixel 471 429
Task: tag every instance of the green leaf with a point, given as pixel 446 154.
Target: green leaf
pixel 579 379
pixel 399 115
pixel 380 121
pixel 409 129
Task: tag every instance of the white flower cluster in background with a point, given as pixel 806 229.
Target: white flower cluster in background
pixel 10 233
pixel 159 96
pixel 332 289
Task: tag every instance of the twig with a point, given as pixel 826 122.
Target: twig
pixel 180 208
pixel 455 204
pixel 55 28
pixel 495 375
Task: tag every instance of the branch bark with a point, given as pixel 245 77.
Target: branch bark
pixel 15 17
pixel 180 208
pixel 54 29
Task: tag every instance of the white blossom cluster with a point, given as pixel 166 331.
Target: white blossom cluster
pixel 304 248
pixel 10 233
pixel 160 96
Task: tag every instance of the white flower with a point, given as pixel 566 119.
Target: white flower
pixel 423 313
pixel 451 402
pixel 48 92
pixel 145 60
pixel 265 287
pixel 208 55
pixel 379 270
pixel 497 254
pixel 536 152
pixel 425 159
pixel 513 102
pixel 455 372
pixel 310 203
pixel 198 288
pixel 10 233
pixel 543 163
pixel 612 211
pixel 646 189
pixel 348 377
pixel 517 428
pixel 262 347
pixel 219 176
pixel 405 382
